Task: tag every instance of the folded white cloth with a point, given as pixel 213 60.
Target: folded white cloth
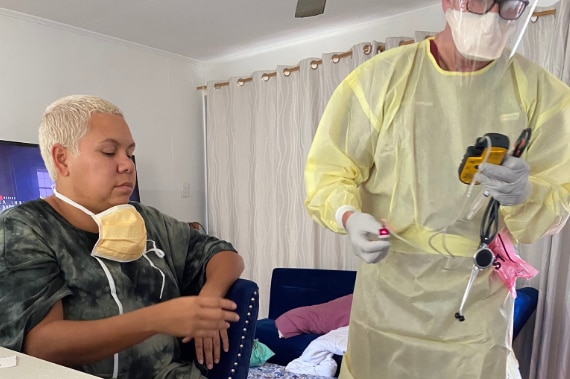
pixel 513 367
pixel 317 357
pixel 326 367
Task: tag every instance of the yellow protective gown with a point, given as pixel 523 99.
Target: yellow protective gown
pixel 390 143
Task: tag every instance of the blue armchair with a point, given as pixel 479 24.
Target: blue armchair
pixel 234 364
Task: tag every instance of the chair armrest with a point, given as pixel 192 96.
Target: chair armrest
pixel 235 363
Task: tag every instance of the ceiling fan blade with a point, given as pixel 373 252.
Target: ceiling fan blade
pixel 309 8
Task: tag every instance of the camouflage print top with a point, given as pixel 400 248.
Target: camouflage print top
pixel 44 259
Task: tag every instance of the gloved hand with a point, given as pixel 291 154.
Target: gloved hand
pixel 507 183
pixel 363 230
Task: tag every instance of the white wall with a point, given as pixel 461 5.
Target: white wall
pixel 42 61
pixel 425 19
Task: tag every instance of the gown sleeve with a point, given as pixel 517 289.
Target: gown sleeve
pixel 546 210
pixel 342 153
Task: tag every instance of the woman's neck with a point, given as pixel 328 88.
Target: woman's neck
pixel 74 216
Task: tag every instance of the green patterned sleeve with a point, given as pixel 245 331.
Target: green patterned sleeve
pixel 187 250
pixel 30 277
pixel 200 249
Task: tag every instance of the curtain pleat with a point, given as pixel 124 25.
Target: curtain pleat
pixel 543 347
pixel 257 137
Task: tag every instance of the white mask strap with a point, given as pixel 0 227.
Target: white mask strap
pixel 72 203
pixel 159 253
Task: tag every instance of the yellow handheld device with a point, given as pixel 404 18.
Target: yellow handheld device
pixel 492 146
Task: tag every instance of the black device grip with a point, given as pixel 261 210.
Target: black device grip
pixel 522 142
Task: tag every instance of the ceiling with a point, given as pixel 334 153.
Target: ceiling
pixel 208 30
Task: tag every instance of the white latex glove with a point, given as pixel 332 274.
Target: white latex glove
pixel 507 183
pixel 363 230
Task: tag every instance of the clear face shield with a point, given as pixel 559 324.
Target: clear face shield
pixel 485 29
pixel 482 28
pixel 482 111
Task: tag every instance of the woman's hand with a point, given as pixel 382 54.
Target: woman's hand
pixel 190 317
pixel 208 349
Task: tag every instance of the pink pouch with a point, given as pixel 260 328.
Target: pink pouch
pixel 508 264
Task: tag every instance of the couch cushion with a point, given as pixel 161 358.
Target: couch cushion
pixel 315 319
pixel 297 287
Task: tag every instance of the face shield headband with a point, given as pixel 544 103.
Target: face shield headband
pixel 508 9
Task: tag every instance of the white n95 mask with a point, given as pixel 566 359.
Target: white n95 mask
pixel 122 231
pixel 479 37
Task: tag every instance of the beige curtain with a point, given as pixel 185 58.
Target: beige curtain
pixel 544 351
pixel 258 133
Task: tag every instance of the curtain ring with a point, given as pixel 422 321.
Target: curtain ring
pixel 314 65
pixel 287 72
pixel 335 58
pixel 367 49
pixel 533 19
pixel 265 77
pixel 241 82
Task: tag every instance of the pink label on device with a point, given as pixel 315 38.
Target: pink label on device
pixel 508 264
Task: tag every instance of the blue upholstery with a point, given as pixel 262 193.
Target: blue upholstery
pixel 297 287
pixel 525 304
pixel 285 349
pixel 235 363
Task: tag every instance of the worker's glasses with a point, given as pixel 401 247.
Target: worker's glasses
pixel 508 9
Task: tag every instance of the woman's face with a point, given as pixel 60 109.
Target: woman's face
pixel 103 174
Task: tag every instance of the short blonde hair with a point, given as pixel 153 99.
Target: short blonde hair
pixel 65 121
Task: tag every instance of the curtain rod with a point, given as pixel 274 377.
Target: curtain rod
pixel 367 49
pixel 337 57
pixel 549 12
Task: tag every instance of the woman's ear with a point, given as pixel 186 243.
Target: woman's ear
pixel 59 156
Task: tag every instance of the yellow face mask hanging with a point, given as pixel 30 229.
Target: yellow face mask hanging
pixel 122 231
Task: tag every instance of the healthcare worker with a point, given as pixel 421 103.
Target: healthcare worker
pixel 387 152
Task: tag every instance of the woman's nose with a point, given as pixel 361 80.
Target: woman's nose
pixel 126 164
